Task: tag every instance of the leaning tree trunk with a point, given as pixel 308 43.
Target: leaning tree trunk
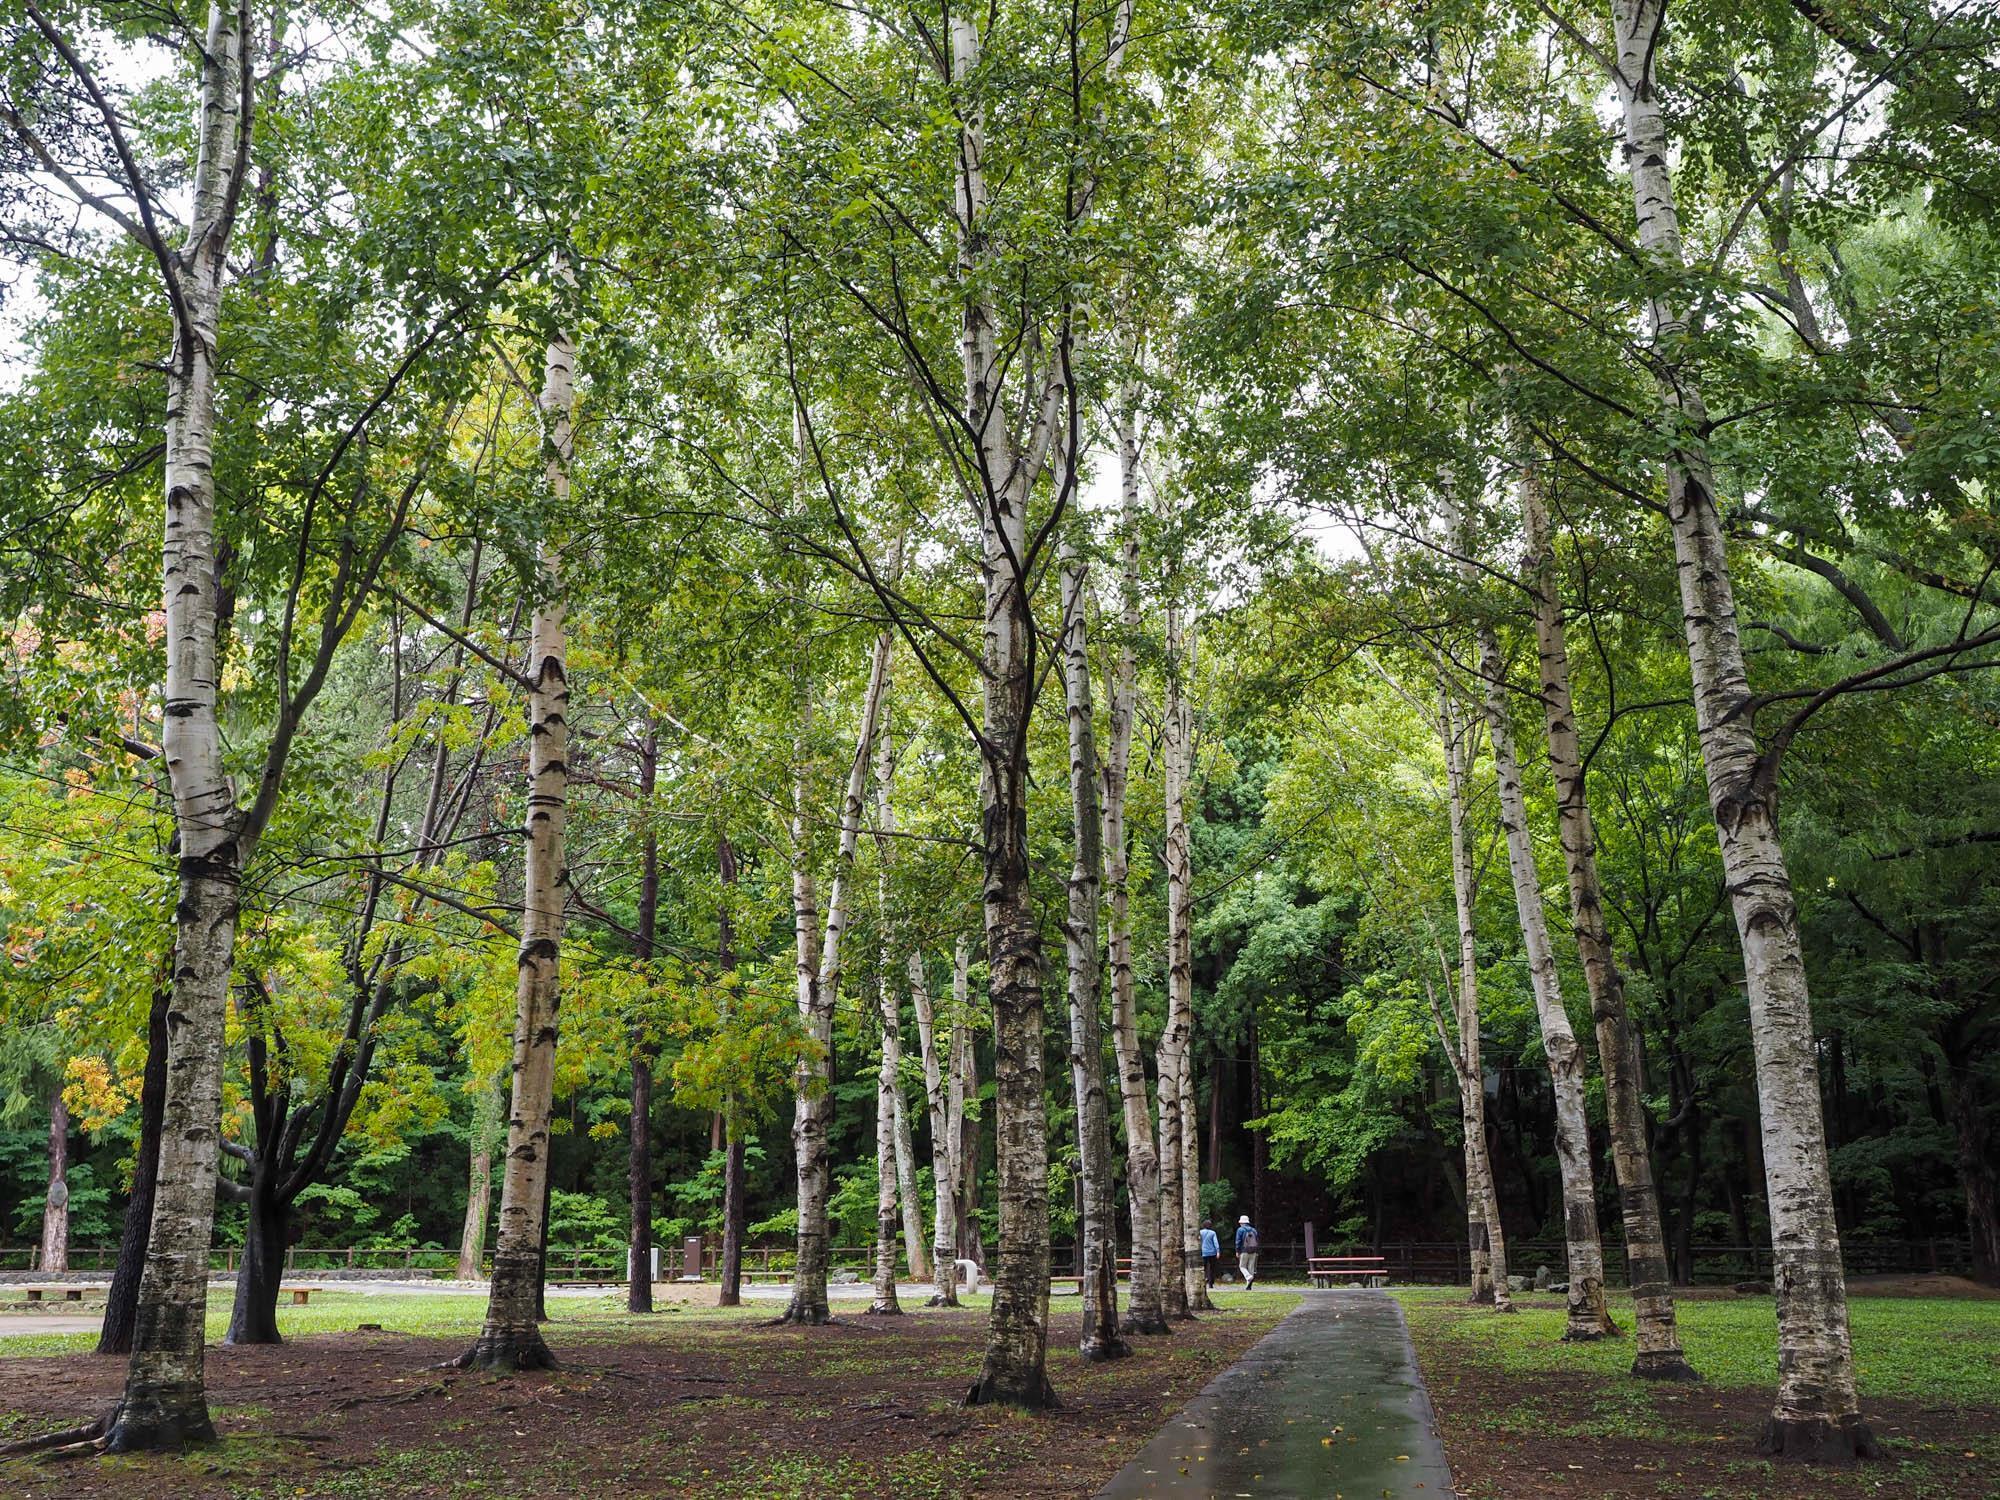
pixel 55 1204
pixel 1177 737
pixel 1145 1304
pixel 819 970
pixel 511 1338
pixel 1098 1229
pixel 165 1403
pixel 479 1186
pixel 1589 1312
pixel 121 1303
pixel 1658 1356
pixel 1818 1412
pixel 1486 1238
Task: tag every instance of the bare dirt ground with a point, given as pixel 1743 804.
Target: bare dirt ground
pixel 691 1405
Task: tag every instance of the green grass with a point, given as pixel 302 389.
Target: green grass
pixel 1935 1349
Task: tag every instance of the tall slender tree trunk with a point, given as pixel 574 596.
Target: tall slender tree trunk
pixel 735 1206
pixel 1014 1371
pixel 1658 1356
pixel 819 967
pixel 1177 751
pixel 55 1203
pixel 639 1156
pixel 511 1338
pixel 903 1162
pixel 165 1404
pixel 1098 1226
pixel 886 1303
pixel 121 1303
pixel 486 1110
pixel 961 1121
pixel 1589 1312
pixel 1817 1415
pixel 1486 1237
pixel 939 1104
pixel 1145 1307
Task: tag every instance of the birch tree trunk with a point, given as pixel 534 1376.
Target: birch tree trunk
pixel 1014 1371
pixel 55 1205
pixel 885 1303
pixel 944 1141
pixel 1658 1355
pixel 904 1158
pixel 1486 1237
pixel 479 1189
pixel 164 1403
pixel 1589 1313
pixel 819 967
pixel 1182 1137
pixel 1098 1229
pixel 639 1156
pixel 511 1338
pixel 963 1123
pixel 1817 1415
pixel 735 1205
pixel 1145 1308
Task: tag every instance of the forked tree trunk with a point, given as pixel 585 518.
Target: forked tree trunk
pixel 1098 1227
pixel 1145 1307
pixel 1177 750
pixel 1487 1238
pixel 253 1315
pixel 511 1338
pixel 55 1203
pixel 164 1403
pixel 819 970
pixel 121 1303
pixel 1589 1312
pixel 1817 1415
pixel 735 1206
pixel 1658 1356
pixel 479 1186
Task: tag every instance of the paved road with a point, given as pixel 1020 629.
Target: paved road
pixel 19 1325
pixel 1328 1404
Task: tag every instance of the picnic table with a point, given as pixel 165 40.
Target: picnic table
pixel 70 1293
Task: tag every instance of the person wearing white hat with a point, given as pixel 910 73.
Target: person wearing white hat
pixel 1246 1251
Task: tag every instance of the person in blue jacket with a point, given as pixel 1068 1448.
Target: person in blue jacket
pixel 1246 1251
pixel 1211 1253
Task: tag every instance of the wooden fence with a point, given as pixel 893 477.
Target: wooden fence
pixel 1418 1263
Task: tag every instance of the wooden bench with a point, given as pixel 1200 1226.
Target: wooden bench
pixel 301 1295
pixel 69 1293
pixel 1328 1270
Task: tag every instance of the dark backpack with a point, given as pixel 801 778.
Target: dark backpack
pixel 1249 1241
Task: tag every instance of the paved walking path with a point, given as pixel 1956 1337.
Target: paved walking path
pixel 1328 1403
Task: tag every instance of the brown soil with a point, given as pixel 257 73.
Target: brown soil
pixel 1696 1442
pixel 702 1406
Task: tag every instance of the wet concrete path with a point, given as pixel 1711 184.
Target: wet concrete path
pixel 1327 1404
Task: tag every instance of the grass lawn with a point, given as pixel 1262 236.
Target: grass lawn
pixel 705 1402
pixel 1524 1415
